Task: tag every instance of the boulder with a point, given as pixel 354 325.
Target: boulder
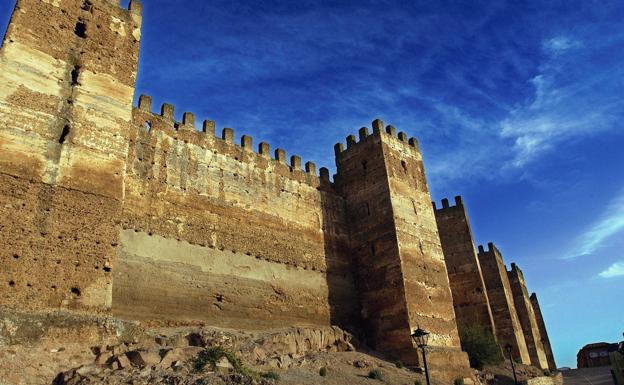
pixel 144 358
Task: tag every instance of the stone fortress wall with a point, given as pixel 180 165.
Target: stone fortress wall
pixel 488 296
pixel 111 208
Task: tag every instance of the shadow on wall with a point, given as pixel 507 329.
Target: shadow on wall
pixel 342 295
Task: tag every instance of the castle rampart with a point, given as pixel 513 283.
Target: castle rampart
pixel 470 299
pixel 113 208
pixel 508 327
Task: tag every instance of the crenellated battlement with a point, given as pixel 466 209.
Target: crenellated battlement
pixel 206 138
pixel 491 249
pixel 445 204
pixel 379 132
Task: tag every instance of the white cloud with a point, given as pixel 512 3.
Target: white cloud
pixel 610 224
pixel 615 270
pixel 559 44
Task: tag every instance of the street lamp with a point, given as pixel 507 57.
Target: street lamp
pixel 420 337
pixel 509 348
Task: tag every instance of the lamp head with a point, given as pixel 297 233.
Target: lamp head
pixel 420 336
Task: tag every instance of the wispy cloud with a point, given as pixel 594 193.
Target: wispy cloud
pixel 615 270
pixel 610 224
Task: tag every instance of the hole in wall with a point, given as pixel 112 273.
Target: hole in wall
pixel 219 297
pixel 404 165
pixel 61 140
pixel 75 73
pixel 75 291
pixel 87 5
pixel 16 256
pixel 367 209
pixel 81 30
pixel 373 250
pixel 148 126
pixel 11 283
pixel 364 165
pixel 107 269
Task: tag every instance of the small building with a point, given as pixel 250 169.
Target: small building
pixel 596 354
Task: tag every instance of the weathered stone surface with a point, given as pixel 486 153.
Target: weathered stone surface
pixel 470 300
pixel 508 327
pixel 527 318
pixel 550 357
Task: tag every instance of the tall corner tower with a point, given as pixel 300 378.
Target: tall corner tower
pixel 402 276
pixel 470 299
pixel 67 76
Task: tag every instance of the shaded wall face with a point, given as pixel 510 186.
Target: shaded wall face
pixel 470 299
pixel 543 333
pixel 65 111
pixel 236 236
pixel 527 319
pixel 508 327
pixel 362 179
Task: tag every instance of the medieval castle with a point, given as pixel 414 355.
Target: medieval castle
pixel 115 209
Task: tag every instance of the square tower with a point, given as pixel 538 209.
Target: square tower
pixel 402 276
pixel 470 300
pixel 508 327
pixel 550 357
pixel 67 75
pixel 527 318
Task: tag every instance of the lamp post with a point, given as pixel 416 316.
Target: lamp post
pixel 420 337
pixel 509 348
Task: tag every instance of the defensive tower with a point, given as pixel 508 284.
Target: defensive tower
pixel 550 357
pixel 527 318
pixel 402 277
pixel 470 300
pixel 67 77
pixel 508 327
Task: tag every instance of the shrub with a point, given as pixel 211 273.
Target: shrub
pixel 323 372
pixel 375 374
pixel 270 375
pixel 417 382
pixel 458 381
pixel 399 365
pixel 480 345
pixel 212 355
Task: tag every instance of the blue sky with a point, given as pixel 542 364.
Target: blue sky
pixel 517 105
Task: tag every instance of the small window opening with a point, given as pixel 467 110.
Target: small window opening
pixel 373 251
pixel 15 256
pixel 148 126
pixel 81 30
pixel 364 165
pixel 11 283
pixel 75 291
pixel 74 75
pixel 107 269
pixel 63 136
pixel 404 165
pixel 367 209
pixel 87 5
pixel 219 297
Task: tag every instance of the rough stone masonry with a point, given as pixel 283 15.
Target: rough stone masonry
pixel 107 208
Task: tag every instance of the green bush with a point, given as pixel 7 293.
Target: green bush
pixel 270 375
pixel 480 345
pixel 375 374
pixel 417 382
pixel 212 355
pixel 458 381
pixel 399 365
pixel 323 372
